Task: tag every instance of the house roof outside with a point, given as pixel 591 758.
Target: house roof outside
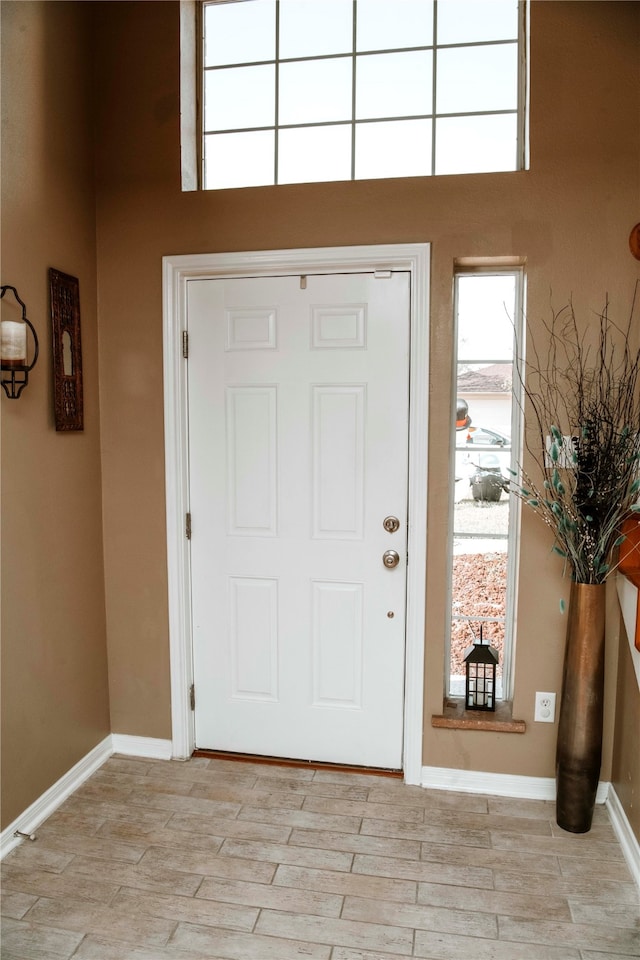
pixel 495 378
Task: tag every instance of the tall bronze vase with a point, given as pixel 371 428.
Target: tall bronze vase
pixel 579 749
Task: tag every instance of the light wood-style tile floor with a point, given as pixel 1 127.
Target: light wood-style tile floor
pixel 219 860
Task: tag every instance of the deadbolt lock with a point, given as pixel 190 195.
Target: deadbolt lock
pixel 391 524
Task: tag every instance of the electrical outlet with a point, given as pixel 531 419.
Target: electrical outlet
pixel 565 452
pixel 545 711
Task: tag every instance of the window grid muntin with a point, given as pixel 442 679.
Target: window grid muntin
pixel 434 116
pixel 434 87
pixel 505 683
pixel 276 149
pixel 356 123
pixel 354 75
pixel 360 53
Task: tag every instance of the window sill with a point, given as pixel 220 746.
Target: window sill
pixel 455 717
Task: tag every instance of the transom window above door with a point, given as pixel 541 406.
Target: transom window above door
pixel 299 91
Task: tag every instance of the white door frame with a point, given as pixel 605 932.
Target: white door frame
pixel 177 271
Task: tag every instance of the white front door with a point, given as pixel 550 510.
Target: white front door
pixel 298 451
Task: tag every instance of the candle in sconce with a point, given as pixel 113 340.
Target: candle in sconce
pixel 13 343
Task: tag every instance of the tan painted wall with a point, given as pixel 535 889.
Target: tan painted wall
pixel 54 668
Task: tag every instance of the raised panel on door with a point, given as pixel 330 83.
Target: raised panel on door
pixel 337 620
pixel 251 457
pixel 338 471
pixel 298 414
pixel 253 638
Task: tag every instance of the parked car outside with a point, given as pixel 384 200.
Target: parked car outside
pixel 480 450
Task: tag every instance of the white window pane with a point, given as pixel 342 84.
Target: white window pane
pixel 398 148
pixel 486 308
pixel 239 159
pixel 311 28
pixel 239 32
pixel 311 154
pixel 315 91
pixel 383 25
pixel 393 85
pixel 314 85
pixel 468 21
pixel 476 144
pixel 239 97
pixel 477 78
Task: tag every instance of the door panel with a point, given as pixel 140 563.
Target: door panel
pixel 298 419
pixel 251 457
pixel 338 426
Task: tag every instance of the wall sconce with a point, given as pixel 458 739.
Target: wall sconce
pixel 481 662
pixel 13 349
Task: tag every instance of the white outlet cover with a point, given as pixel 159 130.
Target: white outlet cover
pixel 545 709
pixel 565 452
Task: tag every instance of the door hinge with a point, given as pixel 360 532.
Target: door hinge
pixel 187 526
pixel 185 344
pixel 192 696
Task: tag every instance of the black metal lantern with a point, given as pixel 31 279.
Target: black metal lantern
pixel 481 663
pixel 13 349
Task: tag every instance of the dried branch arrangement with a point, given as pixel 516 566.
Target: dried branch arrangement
pixel 582 429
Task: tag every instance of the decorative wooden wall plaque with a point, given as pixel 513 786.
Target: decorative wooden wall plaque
pixel 67 352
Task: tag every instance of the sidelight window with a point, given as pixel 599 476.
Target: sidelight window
pixel 486 419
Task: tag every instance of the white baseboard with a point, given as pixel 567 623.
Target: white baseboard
pixel 44 806
pixel 435 778
pixel 536 788
pixel 51 799
pixel 498 784
pixel 150 748
pixel 626 837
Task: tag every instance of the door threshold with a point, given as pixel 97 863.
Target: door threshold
pixel 300 764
